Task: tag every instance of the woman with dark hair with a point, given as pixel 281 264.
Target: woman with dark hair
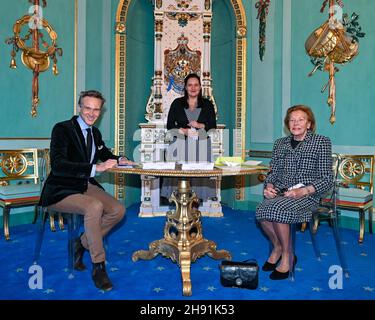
pixel 300 173
pixel 189 119
pixel 191 111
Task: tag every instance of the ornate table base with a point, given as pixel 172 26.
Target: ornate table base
pixel 183 241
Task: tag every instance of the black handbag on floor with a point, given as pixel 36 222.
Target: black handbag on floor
pixel 239 274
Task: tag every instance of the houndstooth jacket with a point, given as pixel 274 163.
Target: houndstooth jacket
pixel 310 163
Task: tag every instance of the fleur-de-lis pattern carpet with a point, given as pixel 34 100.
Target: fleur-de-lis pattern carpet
pixel 160 278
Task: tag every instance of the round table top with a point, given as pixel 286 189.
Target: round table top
pixel 216 172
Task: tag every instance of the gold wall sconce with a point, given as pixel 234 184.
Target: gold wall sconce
pixel 334 42
pixel 38 54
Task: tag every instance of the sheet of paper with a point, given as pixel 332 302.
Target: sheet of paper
pixel 197 165
pixel 252 163
pixel 159 165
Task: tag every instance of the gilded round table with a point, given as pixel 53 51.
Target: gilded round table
pixel 183 240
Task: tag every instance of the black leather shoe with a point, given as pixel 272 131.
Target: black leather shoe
pixel 268 266
pixel 79 251
pixel 100 277
pixel 278 275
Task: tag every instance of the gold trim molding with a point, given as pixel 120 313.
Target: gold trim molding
pixel 241 86
pixel 120 94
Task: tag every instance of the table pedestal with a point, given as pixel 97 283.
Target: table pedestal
pixel 183 240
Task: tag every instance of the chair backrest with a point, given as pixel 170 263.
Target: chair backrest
pixel 357 171
pixel 18 164
pixel 44 165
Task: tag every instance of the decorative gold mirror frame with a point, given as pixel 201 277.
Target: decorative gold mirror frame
pixel 120 92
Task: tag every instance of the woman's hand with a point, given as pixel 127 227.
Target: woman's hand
pixel 269 191
pixel 300 192
pixel 196 125
pixel 184 131
pixel 192 133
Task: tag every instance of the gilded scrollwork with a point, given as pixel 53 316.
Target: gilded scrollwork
pixel 14 164
pixel 182 17
pixel 241 32
pixel 120 28
pixel 352 170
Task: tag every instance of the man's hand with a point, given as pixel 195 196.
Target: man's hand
pixel 125 162
pixel 104 166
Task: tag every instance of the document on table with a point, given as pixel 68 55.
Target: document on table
pixel 159 165
pixel 197 165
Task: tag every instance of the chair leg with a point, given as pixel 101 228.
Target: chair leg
pixel 73 221
pixel 303 227
pixel 336 233
pixel 70 245
pixel 314 224
pixel 43 214
pixel 36 212
pixel 52 221
pixel 61 221
pixel 315 245
pixel 370 220
pixel 6 215
pixel 361 225
pixel 292 243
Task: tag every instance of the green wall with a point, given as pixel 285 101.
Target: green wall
pixel 55 93
pixel 355 122
pixel 139 72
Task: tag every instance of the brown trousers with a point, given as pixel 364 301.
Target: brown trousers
pixel 101 213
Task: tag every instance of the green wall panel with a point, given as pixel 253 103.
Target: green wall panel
pixel 223 67
pixel 223 61
pixel 55 93
pixel 139 72
pixel 355 122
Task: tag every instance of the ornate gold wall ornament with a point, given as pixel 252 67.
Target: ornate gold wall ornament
pixel 333 42
pixel 33 56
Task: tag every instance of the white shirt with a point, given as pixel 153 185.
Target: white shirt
pixel 83 127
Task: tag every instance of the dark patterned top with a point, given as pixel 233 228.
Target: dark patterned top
pixel 310 163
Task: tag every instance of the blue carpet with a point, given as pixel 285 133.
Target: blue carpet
pixel 160 278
